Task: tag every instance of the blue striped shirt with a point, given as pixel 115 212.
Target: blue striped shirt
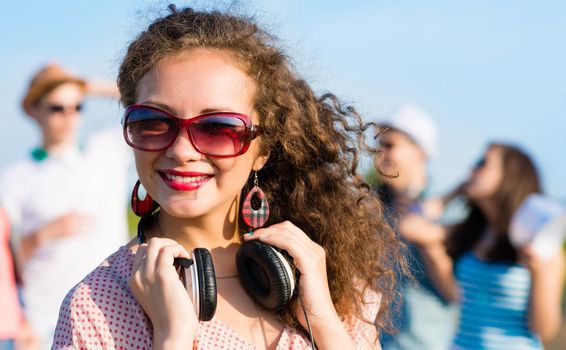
pixel 494 306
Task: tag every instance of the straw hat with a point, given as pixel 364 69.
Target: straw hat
pixel 44 81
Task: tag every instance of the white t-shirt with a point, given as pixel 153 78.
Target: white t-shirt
pixel 90 181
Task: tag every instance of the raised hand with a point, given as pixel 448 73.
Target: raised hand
pixel 156 286
pixel 310 259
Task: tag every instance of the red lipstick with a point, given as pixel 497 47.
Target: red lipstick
pixel 184 180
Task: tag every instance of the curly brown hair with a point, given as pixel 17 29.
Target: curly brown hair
pixel 314 145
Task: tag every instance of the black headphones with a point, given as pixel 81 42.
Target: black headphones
pixel 266 274
pixel 197 275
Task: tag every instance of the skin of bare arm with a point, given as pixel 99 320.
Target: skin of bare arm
pixel 429 238
pixel 546 291
pixel 62 226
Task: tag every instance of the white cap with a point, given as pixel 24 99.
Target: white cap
pixel 416 123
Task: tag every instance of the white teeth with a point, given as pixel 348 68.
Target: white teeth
pixel 185 179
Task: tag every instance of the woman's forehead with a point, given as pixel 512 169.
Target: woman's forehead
pixel 198 80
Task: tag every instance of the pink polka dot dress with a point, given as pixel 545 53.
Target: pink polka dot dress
pixel 101 313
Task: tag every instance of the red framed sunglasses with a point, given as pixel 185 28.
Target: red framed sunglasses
pixel 217 134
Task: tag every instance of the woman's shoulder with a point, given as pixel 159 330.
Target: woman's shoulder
pixel 115 270
pixel 364 330
pixel 108 281
pixel 100 311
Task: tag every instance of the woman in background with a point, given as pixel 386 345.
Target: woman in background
pixel 510 298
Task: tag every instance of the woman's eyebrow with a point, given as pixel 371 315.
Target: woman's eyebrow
pixel 216 109
pixel 167 108
pixel 158 105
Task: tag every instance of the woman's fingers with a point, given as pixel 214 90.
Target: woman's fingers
pixel 156 286
pixel 157 255
pixel 284 235
pixel 140 255
pixel 310 260
pixel 290 238
pixel 154 245
pixel 167 255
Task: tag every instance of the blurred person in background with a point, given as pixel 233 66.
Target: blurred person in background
pixel 11 316
pixel 66 202
pixel 15 331
pixel 408 141
pixel 510 298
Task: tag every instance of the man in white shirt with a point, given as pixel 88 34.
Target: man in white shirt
pixel 66 203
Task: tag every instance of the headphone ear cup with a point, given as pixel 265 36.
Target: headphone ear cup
pixel 265 274
pixel 207 283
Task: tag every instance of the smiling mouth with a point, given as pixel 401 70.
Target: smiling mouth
pixel 184 183
pixel 185 179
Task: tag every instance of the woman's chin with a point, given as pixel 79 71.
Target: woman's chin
pixel 183 210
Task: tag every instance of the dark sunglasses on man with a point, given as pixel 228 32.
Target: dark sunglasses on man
pixel 56 108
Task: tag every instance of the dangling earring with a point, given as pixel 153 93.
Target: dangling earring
pixel 142 205
pixel 255 218
pixel 265 272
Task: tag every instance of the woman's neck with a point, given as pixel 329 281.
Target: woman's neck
pixel 489 210
pixel 217 232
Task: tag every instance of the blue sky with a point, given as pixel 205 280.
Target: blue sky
pixel 486 70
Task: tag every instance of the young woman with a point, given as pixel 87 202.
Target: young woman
pixel 510 298
pixel 185 75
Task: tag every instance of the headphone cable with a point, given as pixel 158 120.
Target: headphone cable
pixel 308 323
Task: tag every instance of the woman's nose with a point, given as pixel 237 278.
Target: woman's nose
pixel 182 149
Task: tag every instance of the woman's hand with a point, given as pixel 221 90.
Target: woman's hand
pixel 433 208
pixel 102 88
pixel 429 237
pixel 310 259
pixel 156 286
pixel 547 283
pixel 530 259
pixel 418 230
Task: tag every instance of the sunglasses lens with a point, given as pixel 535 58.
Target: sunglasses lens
pixel 56 108
pixel 480 163
pixel 60 108
pixel 219 135
pixel 149 129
